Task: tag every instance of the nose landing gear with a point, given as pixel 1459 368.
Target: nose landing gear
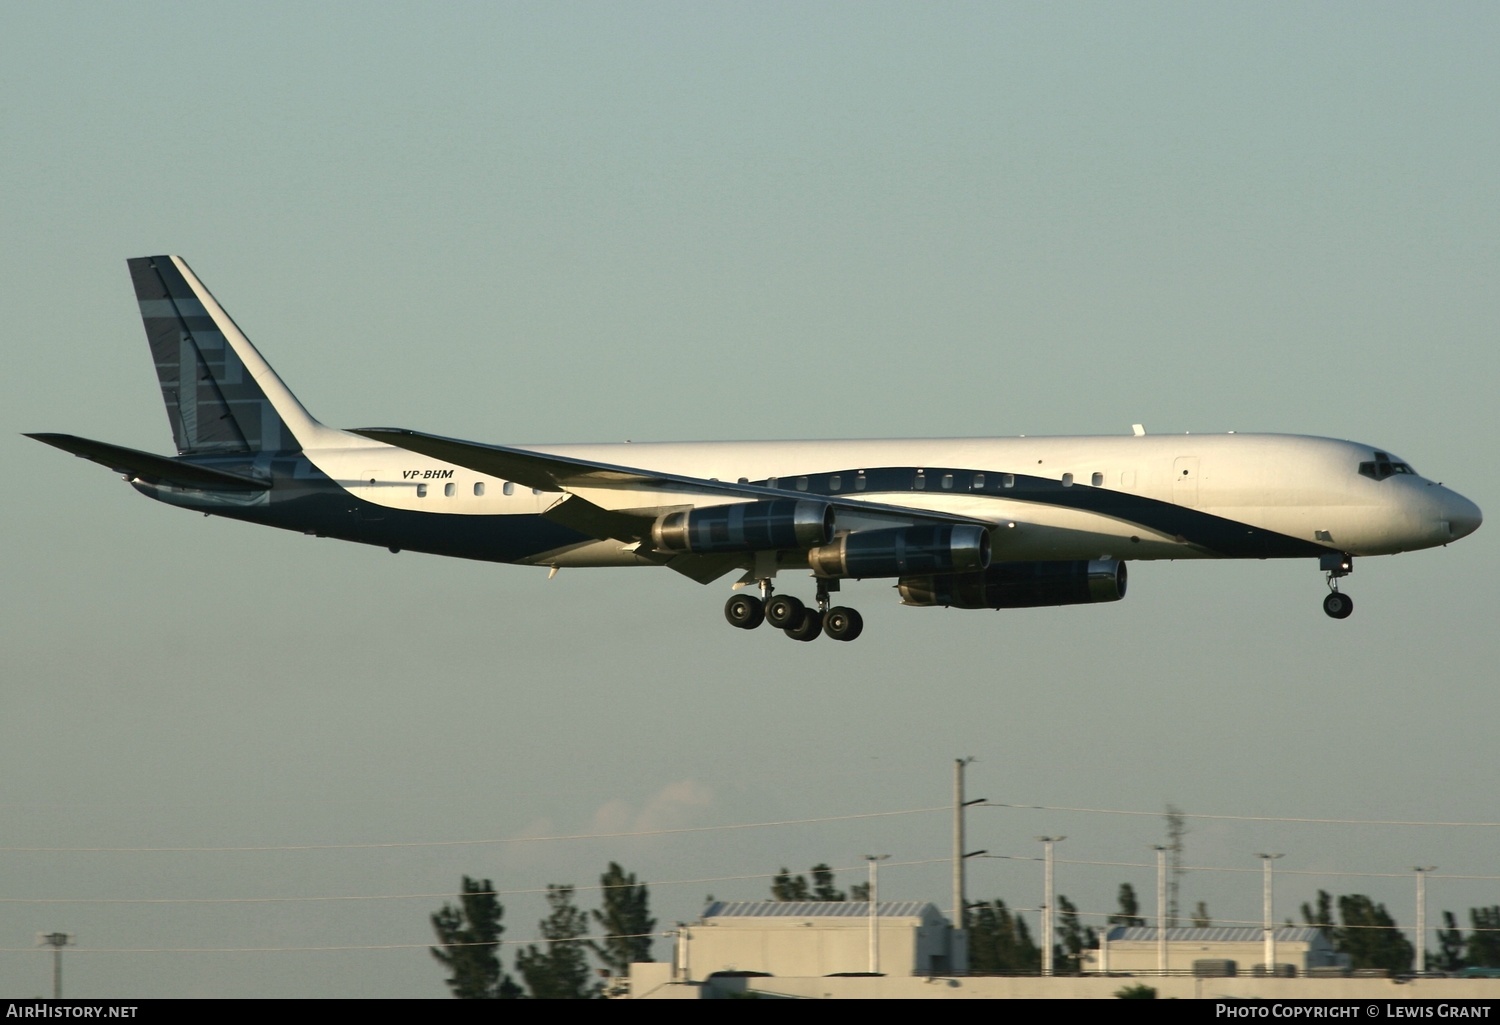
pixel 1337 605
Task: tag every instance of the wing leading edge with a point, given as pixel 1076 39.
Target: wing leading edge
pixel 629 493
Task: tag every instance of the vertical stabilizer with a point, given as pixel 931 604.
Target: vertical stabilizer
pixel 221 395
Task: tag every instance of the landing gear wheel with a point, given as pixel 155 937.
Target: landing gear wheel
pixel 808 627
pixel 842 624
pixel 744 611
pixel 1338 605
pixel 783 611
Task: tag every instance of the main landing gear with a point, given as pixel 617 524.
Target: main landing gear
pixel 1337 604
pixel 792 617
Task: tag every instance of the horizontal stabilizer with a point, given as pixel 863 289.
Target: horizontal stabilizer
pixel 151 469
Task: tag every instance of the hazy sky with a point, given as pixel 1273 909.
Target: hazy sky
pixel 593 222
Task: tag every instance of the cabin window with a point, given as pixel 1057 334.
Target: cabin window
pixel 859 481
pixel 421 490
pixel 1007 480
pixel 479 489
pixel 536 491
pixel 1067 480
pixel 508 488
pixel 979 482
pixel 1098 480
pixel 744 480
pixel 449 489
pixel 772 482
pixel 920 484
pixel 947 482
pixel 835 482
pixel 801 483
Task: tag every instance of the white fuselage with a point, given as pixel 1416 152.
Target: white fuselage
pixel 1296 487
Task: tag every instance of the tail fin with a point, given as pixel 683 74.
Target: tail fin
pixel 221 395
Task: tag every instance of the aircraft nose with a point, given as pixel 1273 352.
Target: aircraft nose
pixel 1462 515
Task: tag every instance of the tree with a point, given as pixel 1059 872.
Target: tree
pixel 1370 937
pixel 1322 916
pixel 1367 932
pixel 785 886
pixel 999 942
pixel 1067 956
pixel 1484 941
pixel 560 972
pixel 1200 916
pixel 823 884
pixel 469 934
pixel 1450 956
pixel 625 919
pixel 1129 913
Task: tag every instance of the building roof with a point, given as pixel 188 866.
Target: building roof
pixel 1216 934
pixel 817 909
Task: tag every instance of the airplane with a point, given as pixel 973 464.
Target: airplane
pixel 969 523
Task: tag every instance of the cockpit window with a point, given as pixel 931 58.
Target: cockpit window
pixel 1383 466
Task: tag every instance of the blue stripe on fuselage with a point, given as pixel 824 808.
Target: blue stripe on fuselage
pixel 306 500
pixel 1224 537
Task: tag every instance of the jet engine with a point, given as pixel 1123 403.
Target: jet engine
pixel 751 526
pixel 1020 585
pixel 890 553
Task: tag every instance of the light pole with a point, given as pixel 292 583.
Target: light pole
pixel 1048 841
pixel 874 860
pixel 1421 871
pixel 55 940
pixel 960 856
pixel 1161 908
pixel 1270 926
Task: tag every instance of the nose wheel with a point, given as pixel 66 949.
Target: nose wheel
pixel 1337 605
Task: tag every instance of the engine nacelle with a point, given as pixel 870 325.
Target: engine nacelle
pixel 1020 585
pixel 747 527
pixel 891 553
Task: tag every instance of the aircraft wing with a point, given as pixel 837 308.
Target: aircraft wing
pixel 625 500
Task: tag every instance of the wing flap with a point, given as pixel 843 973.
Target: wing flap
pixel 705 568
